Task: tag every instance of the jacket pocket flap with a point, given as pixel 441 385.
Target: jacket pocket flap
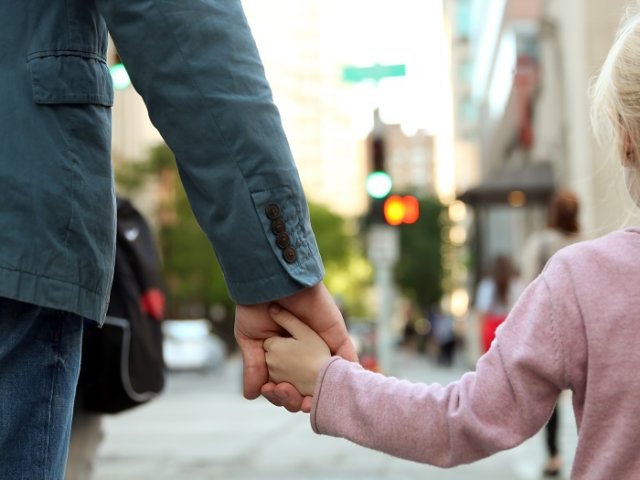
pixel 65 77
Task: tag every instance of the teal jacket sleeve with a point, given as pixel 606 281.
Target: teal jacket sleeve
pixel 196 65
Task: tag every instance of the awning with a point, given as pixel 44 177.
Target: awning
pixel 532 184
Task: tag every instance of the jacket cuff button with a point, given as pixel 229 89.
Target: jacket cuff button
pixel 272 211
pixel 282 240
pixel 277 226
pixel 289 255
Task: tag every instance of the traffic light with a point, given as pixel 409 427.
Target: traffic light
pixel 378 183
pixel 400 210
pixel 378 156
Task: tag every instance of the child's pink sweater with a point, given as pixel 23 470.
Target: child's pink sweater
pixel 576 327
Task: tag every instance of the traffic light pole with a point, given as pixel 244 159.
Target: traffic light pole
pixel 383 239
pixel 383 248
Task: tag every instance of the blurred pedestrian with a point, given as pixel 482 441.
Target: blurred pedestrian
pixel 495 296
pixel 575 327
pixel 562 229
pixel 442 326
pixel 197 68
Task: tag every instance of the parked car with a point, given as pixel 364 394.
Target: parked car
pixel 190 345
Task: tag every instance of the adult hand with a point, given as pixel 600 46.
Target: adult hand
pixel 253 325
pixel 315 307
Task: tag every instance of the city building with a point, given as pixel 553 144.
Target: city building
pixel 522 70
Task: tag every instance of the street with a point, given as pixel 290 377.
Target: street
pixel 202 428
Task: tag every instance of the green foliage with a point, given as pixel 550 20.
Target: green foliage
pixel 348 273
pixel 330 229
pixel 192 272
pixel 419 270
pixel 130 176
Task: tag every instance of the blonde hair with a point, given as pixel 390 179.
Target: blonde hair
pixel 615 93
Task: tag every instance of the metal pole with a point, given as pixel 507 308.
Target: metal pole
pixel 383 252
pixel 384 286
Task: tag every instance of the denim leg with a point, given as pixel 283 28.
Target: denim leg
pixel 39 365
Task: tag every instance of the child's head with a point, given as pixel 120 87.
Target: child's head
pixel 615 94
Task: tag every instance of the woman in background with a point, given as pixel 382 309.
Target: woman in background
pixel 495 296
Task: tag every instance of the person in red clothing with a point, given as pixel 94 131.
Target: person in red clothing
pixel 495 295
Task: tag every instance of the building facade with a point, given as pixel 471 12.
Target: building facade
pixel 524 68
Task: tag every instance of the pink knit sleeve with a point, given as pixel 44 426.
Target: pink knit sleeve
pixel 507 399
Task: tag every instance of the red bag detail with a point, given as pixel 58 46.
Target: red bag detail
pixel 490 323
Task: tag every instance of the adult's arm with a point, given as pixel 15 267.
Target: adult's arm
pixel 197 68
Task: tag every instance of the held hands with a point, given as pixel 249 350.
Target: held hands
pixel 316 308
pixel 296 359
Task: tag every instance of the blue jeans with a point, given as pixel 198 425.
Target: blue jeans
pixel 39 365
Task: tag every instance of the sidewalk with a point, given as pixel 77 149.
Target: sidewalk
pixel 202 428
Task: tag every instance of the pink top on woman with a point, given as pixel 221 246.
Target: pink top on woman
pixel 577 327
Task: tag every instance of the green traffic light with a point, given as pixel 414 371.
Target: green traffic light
pixel 378 184
pixel 120 76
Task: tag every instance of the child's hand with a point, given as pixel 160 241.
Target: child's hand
pixel 296 359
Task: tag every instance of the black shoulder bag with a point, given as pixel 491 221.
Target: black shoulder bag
pixel 122 362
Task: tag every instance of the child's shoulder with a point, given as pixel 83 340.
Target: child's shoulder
pixel 614 247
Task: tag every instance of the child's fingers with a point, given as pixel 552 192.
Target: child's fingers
pixel 290 323
pixel 275 343
pixel 268 343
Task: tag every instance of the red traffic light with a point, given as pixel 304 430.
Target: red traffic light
pixel 401 209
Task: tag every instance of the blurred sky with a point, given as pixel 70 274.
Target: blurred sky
pixel 366 32
pixel 409 32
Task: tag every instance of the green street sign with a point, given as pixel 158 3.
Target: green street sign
pixel 373 72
